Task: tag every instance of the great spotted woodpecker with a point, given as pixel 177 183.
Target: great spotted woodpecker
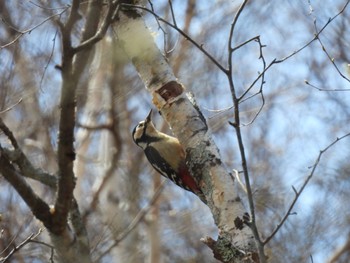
pixel 165 154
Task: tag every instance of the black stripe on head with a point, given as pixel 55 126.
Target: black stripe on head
pixel 141 127
pixel 145 138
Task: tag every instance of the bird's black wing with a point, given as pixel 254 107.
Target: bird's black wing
pixel 163 167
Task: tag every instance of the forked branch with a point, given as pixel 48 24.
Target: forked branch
pixel 299 192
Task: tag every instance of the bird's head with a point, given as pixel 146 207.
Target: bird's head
pixel 145 132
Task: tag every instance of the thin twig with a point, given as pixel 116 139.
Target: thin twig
pixel 49 60
pixel 22 244
pixel 321 89
pixel 47 8
pixel 172 12
pixel 260 91
pixel 23 32
pixel 165 33
pixel 233 26
pixel 11 107
pixel 185 35
pixel 299 192
pixel 262 75
pixel 314 38
pixel 96 127
pixel 277 61
pixel 217 112
pixel 52 248
pixel 328 55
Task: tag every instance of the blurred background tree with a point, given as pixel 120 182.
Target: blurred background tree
pixel 129 215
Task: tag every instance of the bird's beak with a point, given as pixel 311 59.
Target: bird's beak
pixel 148 118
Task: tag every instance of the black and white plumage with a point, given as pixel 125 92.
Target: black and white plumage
pixel 165 154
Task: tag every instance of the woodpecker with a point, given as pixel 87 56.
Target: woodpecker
pixel 166 155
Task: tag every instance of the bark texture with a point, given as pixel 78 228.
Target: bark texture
pixel 235 242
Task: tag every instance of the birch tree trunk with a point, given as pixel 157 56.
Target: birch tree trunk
pixel 235 242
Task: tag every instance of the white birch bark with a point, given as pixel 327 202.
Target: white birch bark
pixel 236 242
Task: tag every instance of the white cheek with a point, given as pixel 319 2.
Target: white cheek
pixel 138 133
pixel 143 145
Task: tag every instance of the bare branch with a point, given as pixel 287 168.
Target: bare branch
pixel 79 228
pixel 328 55
pixel 27 31
pixel 65 149
pixel 71 72
pixel 262 75
pixel 231 50
pixel 321 89
pixel 184 34
pixel 299 192
pixel 172 12
pixel 113 7
pixel 49 60
pixel 22 244
pixel 9 134
pixel 73 16
pixel 277 61
pixel 165 42
pixel 52 248
pixel 18 157
pixel 97 127
pixel 47 8
pixel 38 207
pixel 11 107
pixel 233 26
pixel 237 126
pixel 260 91
pixel 314 38
pixel 28 170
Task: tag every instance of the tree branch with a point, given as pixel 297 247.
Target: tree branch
pixel 28 170
pixel 299 192
pixel 113 7
pixel 18 157
pixel 184 34
pixel 275 61
pixel 65 149
pixel 237 126
pixel 29 30
pixel 71 72
pixel 328 55
pixel 321 89
pixel 38 207
pixel 22 244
